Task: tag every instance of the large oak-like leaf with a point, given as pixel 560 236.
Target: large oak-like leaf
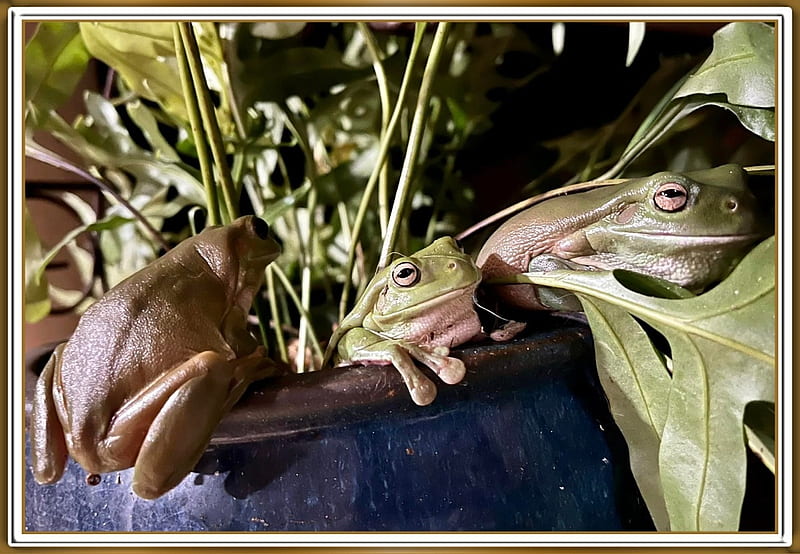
pixel 741 66
pixel 682 411
pixel 738 76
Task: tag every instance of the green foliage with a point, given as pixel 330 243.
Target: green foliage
pixel 279 99
pixel 144 55
pixel 738 76
pixel 56 59
pixel 682 410
pixel 741 66
pixel 37 298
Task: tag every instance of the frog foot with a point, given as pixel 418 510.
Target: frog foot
pixel 449 370
pixel 422 392
pixel 508 331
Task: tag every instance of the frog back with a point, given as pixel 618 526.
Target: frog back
pixel 139 330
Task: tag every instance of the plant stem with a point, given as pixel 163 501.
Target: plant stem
pixel 369 189
pixel 196 125
pixel 533 200
pixel 209 117
pixel 43 155
pixel 306 332
pixel 273 306
pixel 300 308
pixel 652 134
pixel 414 141
pixel 386 108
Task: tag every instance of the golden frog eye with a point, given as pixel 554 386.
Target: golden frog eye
pixel 405 274
pixel 671 197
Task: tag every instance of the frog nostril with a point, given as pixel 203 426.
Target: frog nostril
pixel 732 205
pixel 451 266
pixel 261 228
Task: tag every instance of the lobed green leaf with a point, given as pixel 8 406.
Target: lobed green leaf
pixel 741 66
pixel 722 346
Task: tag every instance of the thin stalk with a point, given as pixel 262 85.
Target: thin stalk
pixel 262 327
pixel 440 195
pixel 383 152
pixel 306 331
pixel 305 323
pixel 760 169
pixel 347 232
pixel 273 306
pixel 653 133
pixel 303 312
pixel 414 140
pixel 209 117
pixel 196 125
pixel 293 222
pixel 533 200
pixel 52 159
pixel 386 109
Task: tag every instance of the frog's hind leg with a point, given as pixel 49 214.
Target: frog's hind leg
pixel 48 446
pixel 182 429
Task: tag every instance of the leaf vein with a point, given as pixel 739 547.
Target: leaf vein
pixel 728 60
pixel 632 367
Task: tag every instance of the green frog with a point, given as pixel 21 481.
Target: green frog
pixel 154 364
pixel 417 308
pixel 687 228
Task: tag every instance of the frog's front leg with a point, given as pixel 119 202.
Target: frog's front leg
pixel 554 298
pixel 363 346
pixel 164 430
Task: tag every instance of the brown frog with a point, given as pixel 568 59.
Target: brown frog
pixel 154 364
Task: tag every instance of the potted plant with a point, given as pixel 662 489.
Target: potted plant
pixel 338 132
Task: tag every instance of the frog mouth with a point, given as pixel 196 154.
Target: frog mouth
pixel 697 240
pixel 438 300
pixel 264 258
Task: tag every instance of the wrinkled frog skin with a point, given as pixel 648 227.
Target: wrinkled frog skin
pixel 155 363
pixel 416 308
pixel 689 228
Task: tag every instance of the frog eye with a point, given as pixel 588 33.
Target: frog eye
pixel 405 274
pixel 670 197
pixel 260 228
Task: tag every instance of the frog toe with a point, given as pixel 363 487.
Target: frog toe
pixel 422 392
pixel 451 371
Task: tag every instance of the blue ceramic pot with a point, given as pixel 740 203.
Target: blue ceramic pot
pixel 524 443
